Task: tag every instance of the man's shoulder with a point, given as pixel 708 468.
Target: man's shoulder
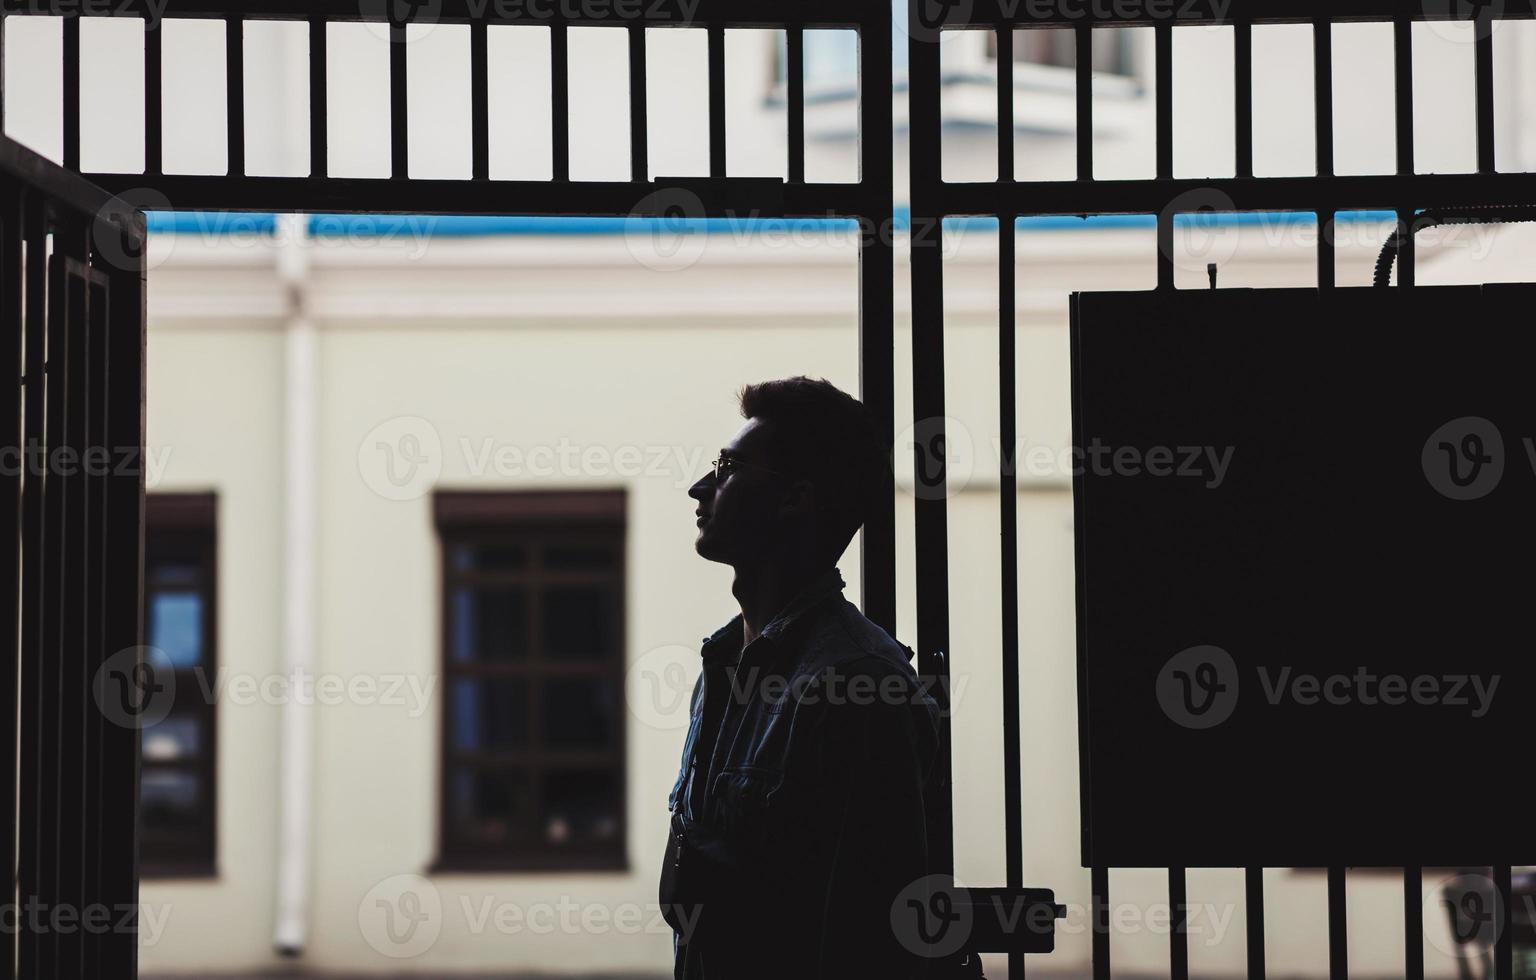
pixel 845 639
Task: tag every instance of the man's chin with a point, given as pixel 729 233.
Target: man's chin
pixel 707 549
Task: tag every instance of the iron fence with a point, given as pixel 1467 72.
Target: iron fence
pixel 1405 192
pixel 72 300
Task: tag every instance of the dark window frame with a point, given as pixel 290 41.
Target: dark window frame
pixel 532 520
pixel 185 525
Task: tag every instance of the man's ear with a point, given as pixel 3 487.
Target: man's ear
pixel 799 498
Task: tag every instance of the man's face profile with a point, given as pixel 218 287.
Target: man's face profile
pixel 737 512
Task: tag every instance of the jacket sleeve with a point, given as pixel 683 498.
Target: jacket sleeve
pixel 877 761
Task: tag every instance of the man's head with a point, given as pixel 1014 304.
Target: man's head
pixel 797 481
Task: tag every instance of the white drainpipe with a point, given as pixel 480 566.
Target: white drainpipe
pixel 300 503
pixel 296 737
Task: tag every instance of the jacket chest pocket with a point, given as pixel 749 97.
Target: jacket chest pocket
pixel 747 802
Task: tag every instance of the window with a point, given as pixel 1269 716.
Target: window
pixel 533 665
pixel 1113 51
pixel 177 754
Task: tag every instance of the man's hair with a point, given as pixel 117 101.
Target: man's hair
pixel 825 435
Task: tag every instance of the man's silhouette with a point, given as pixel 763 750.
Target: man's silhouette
pixel 797 815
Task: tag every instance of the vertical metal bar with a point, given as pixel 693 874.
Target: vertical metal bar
pixel 1503 944
pixel 1099 914
pixel 234 92
pixel 1253 881
pixel 1338 927
pixel 2 76
pixel 639 138
pixel 480 100
pixel 1164 101
pixel 11 238
pixel 1242 64
pixel 1408 252
pixel 52 615
pixel 399 104
pixel 1178 939
pixel 1413 924
pixel 74 683
pixel 124 602
pixel 154 106
pixel 1164 149
pixel 877 286
pixel 560 99
pixel 72 91
pixel 1004 37
pixel 794 70
pixel 1402 54
pixel 93 598
pixel 1008 525
pixel 319 126
pixel 929 504
pixel 1322 91
pixel 1084 37
pixel 1327 265
pixel 29 838
pixel 1483 25
pixel 717 101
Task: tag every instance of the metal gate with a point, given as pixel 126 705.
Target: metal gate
pixel 869 201
pixel 1407 193
pixel 718 195
pixel 72 304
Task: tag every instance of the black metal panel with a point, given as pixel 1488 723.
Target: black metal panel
pixel 73 817
pixel 1276 614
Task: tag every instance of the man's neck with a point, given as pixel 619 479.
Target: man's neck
pixel 764 591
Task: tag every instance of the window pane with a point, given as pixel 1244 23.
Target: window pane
pixel 171 573
pixel 176 626
pixel 489 624
pixel 177 736
pixel 578 622
pixel 490 714
pixel 169 800
pixel 488 806
pixel 581 806
pixel 488 557
pixel 579 712
pixel 577 557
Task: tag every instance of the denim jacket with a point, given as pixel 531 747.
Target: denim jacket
pixel 797 813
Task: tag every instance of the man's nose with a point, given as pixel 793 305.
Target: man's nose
pixel 704 487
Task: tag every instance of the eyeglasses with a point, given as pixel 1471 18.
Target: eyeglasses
pixel 725 464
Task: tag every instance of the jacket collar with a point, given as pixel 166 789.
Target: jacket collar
pixel 724 644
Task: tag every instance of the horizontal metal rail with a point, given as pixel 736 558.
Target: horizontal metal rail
pixel 651 13
pixel 736 197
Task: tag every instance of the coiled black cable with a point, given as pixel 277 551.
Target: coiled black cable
pixel 1434 218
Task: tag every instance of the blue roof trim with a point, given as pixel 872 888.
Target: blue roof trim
pixel 212 223
pixel 384 226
